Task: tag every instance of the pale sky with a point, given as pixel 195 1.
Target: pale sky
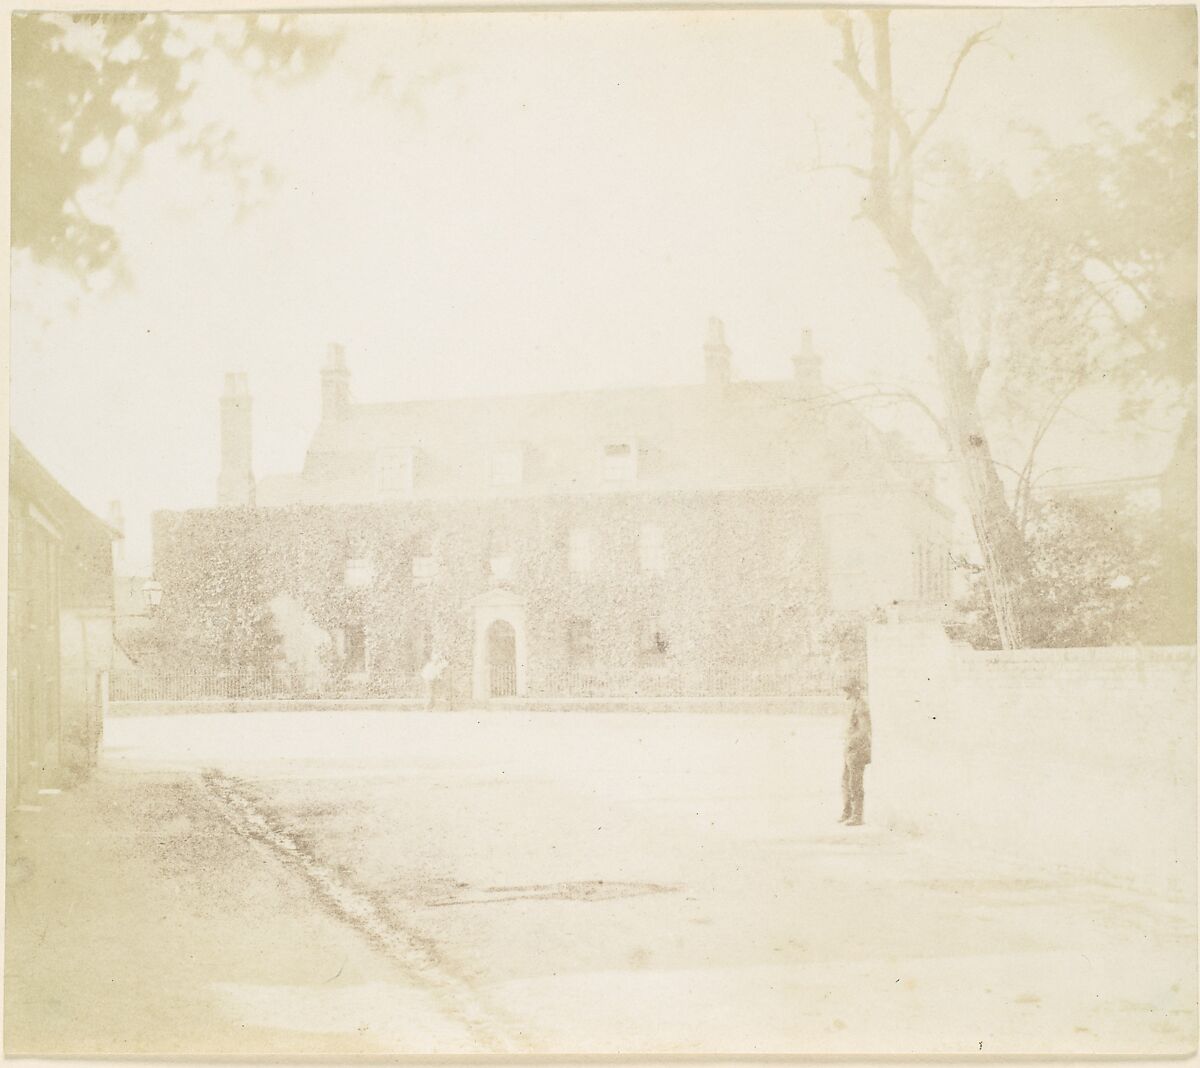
pixel 479 203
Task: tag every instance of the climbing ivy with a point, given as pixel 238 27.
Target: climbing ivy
pixel 742 581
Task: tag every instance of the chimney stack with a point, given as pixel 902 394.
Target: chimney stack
pixel 335 385
pixel 116 520
pixel 717 362
pixel 806 365
pixel 235 484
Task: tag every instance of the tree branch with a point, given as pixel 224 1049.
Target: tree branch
pixel 850 63
pixel 1129 328
pixel 1025 480
pixel 983 359
pixel 936 111
pixel 874 392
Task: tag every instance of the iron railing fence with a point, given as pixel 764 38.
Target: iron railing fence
pixel 504 680
pixel 809 679
pixel 259 685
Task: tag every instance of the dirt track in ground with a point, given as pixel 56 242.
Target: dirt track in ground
pixel 419 958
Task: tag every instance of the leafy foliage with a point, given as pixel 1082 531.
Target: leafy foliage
pixel 1103 572
pixel 1087 272
pixel 744 579
pixel 91 91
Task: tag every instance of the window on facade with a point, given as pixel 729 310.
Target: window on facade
pixel 933 572
pixel 359 572
pixel 579 642
pixel 424 568
pixel 654 641
pixel 354 649
pixel 929 572
pixel 506 466
pixel 418 647
pixel 394 471
pixel 581 550
pixel 501 568
pixel 620 462
pixel 652 549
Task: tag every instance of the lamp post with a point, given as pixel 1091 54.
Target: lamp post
pixel 152 595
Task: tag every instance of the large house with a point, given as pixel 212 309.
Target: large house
pixel 60 610
pixel 620 539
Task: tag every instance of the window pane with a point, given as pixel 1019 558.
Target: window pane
pixel 356 650
pixel 579 642
pixel 619 461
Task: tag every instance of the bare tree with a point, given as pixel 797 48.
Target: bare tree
pixel 889 207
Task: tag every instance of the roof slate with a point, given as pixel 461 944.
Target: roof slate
pixel 740 435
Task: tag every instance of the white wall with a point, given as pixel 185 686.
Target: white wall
pixel 1083 759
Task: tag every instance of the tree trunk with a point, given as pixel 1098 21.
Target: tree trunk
pixel 890 209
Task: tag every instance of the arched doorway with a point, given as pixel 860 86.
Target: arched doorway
pixel 502 659
pixel 499 669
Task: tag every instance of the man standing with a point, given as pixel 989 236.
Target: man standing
pixel 857 756
pixel 432 674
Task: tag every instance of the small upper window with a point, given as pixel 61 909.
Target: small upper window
pixel 424 568
pixel 620 462
pixel 394 471
pixel 507 466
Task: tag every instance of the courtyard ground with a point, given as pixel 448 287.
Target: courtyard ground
pixel 541 882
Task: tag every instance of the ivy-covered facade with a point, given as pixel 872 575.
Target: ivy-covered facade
pixel 539 542
pixel 736 579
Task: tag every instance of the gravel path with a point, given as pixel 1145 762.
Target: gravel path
pixel 549 883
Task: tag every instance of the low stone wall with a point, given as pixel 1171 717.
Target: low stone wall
pixel 1081 759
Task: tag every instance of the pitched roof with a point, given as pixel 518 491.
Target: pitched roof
pixel 86 579
pixel 688 437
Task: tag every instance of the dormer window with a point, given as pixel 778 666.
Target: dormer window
pixel 620 461
pixel 506 466
pixel 394 470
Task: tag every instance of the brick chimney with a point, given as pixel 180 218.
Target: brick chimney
pixel 717 362
pixel 335 385
pixel 116 520
pixel 235 484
